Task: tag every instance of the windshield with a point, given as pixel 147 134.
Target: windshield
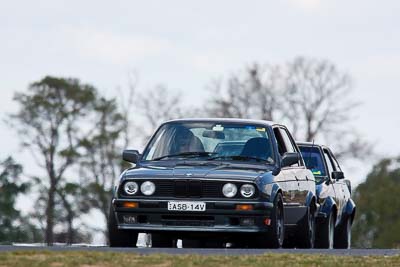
pixel 313 159
pixel 211 141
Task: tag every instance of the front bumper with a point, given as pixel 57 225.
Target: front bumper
pixel 219 217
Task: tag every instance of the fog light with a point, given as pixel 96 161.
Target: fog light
pixel 246 221
pixel 244 207
pixel 129 219
pixel 131 205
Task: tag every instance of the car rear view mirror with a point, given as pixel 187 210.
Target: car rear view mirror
pixel 337 175
pixel 214 134
pixel 290 158
pixel 131 156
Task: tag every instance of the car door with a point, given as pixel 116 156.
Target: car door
pixel 305 183
pixel 346 191
pixel 291 187
pixel 337 185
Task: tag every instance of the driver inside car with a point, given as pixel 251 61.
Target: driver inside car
pixel 186 141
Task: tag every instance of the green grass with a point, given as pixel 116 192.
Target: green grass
pixel 103 259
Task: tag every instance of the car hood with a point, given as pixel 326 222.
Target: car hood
pixel 228 172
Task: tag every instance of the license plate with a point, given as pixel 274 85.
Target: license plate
pixel 186 206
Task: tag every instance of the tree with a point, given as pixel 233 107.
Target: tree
pixel 377 222
pixel 313 97
pixel 156 106
pixel 100 162
pixel 50 123
pixel 14 227
pixel 73 201
pixel 253 94
pixel 316 93
pixel 318 105
pixel 127 104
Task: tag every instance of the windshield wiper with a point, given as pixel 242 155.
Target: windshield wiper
pixel 238 157
pixel 187 154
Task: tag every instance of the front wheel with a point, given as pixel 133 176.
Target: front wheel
pixel 117 237
pixel 306 236
pixel 276 232
pixel 343 235
pixel 326 233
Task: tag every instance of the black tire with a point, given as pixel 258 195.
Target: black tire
pixel 326 232
pixel 343 235
pixel 306 236
pixel 276 233
pixel 159 240
pixel 117 237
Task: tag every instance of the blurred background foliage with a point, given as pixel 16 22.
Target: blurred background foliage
pixel 377 221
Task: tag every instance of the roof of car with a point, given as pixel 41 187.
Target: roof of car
pixel 226 120
pixel 303 143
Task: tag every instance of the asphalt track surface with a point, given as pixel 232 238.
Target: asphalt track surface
pixel 228 251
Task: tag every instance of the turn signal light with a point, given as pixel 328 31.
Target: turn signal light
pixel 244 207
pixel 267 221
pixel 131 205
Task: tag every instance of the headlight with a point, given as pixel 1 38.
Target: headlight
pixel 148 188
pixel 229 190
pixel 131 188
pixel 247 190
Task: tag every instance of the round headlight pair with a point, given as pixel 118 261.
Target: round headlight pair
pixel 246 190
pixel 147 188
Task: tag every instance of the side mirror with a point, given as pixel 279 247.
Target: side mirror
pixel 337 175
pixel 131 156
pixel 290 158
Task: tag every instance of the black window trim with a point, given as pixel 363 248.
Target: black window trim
pixel 330 158
pixel 146 150
pixel 333 158
pixel 320 149
pixel 301 163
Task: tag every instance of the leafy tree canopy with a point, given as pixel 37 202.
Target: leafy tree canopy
pixel 14 227
pixel 377 222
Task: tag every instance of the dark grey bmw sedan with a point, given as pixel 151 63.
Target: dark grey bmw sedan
pixel 214 181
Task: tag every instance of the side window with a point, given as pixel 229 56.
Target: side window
pixel 153 153
pixel 335 163
pixel 288 142
pixel 281 144
pixel 290 147
pixel 328 162
pixel 285 143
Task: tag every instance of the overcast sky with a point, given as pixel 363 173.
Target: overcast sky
pixel 186 43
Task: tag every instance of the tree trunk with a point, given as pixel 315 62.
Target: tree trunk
pixel 105 209
pixel 50 215
pixel 70 237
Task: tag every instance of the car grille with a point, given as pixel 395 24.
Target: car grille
pixel 176 220
pixel 188 188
